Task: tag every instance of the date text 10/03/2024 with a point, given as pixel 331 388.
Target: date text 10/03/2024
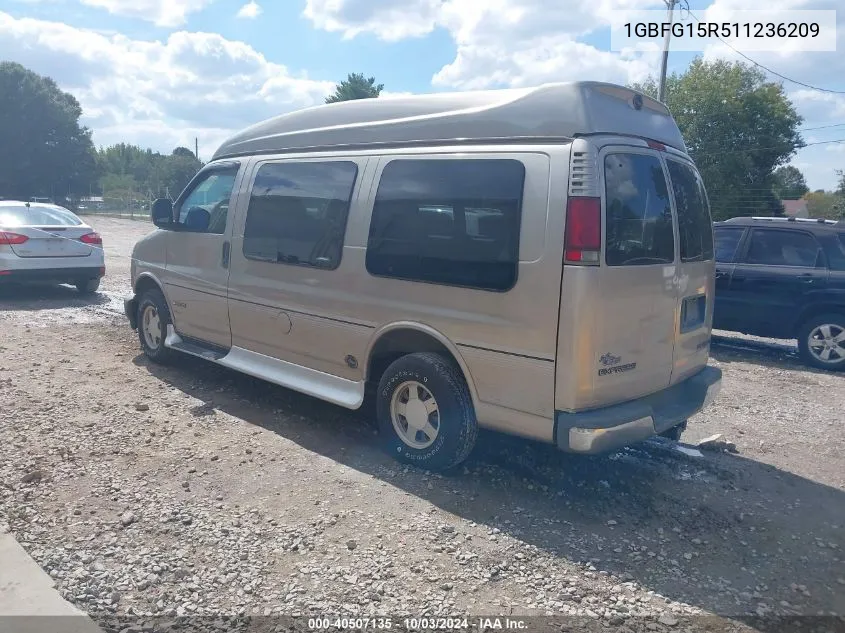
pixel 419 624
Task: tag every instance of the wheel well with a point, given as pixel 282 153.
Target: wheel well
pixel 144 284
pixel 817 310
pixel 398 343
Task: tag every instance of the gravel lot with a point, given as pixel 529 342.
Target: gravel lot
pixel 156 493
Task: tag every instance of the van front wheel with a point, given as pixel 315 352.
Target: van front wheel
pixel 153 319
pixel 425 412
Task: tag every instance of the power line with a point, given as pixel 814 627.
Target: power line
pixel 820 127
pixel 760 149
pixel 767 69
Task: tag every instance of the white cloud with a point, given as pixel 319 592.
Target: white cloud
pixel 250 10
pixel 818 108
pixel 388 19
pixel 817 69
pixel 163 12
pixel 499 42
pixel 527 42
pixel 159 93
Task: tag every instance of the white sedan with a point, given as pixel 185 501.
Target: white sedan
pixel 47 243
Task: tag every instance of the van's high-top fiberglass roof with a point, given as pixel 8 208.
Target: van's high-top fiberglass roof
pixel 546 113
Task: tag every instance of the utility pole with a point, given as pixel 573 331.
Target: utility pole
pixel 197 147
pixel 670 6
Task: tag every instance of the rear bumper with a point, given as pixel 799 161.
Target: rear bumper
pixel 613 427
pixel 55 275
pixel 130 309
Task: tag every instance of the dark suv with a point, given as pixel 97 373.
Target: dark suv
pixel 784 278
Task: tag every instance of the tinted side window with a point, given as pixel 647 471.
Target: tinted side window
pixel 297 213
pixel 453 222
pixel 206 207
pixel 836 252
pixel 695 228
pixel 783 248
pixel 727 241
pixel 639 216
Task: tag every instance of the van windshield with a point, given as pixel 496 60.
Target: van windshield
pixel 695 227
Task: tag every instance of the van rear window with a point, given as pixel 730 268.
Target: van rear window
pixel 639 215
pixel 695 227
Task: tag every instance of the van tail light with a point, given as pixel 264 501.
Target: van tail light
pixel 12 238
pixel 583 230
pixel 102 271
pixel 655 145
pixel 92 238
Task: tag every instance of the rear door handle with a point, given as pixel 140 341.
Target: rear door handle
pixel 225 258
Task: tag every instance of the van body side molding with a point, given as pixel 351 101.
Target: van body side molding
pixel 339 391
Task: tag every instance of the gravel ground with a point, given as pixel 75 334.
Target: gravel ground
pixel 151 492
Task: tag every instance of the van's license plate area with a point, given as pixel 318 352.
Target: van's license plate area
pixel 693 310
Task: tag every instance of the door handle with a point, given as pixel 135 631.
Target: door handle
pixel 225 258
pixel 806 279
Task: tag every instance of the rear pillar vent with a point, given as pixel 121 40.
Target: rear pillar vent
pixel 583 170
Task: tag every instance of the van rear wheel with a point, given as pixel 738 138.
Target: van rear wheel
pixel 425 412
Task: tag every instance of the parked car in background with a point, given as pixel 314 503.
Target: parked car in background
pixel 49 244
pixel 784 278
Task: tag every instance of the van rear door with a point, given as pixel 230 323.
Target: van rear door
pixel 696 270
pixel 634 331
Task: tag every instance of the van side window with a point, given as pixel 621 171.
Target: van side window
pixel 639 216
pixel 695 227
pixel 297 213
pixel 453 222
pixel 206 208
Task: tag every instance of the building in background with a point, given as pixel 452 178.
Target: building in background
pixel 795 208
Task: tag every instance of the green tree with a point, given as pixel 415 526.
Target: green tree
pixel 355 86
pixel 46 152
pixel 130 172
pixel 789 183
pixel 738 128
pixel 840 187
pixel 183 151
pixel 823 204
pixel 176 171
pixel 127 160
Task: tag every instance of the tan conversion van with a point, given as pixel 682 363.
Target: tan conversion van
pixel 535 261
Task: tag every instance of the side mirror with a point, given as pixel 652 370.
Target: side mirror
pixel 162 213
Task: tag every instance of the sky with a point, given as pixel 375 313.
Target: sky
pixel 160 73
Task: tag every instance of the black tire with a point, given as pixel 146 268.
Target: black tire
pixel 806 331
pixel 87 286
pixel 457 425
pixel 675 432
pixel 156 353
